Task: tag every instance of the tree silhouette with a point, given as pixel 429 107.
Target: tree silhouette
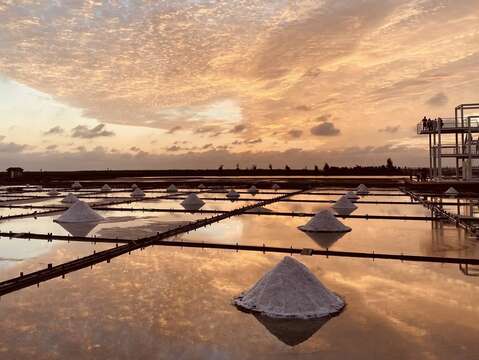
pixel 389 164
pixel 326 167
pixel 270 167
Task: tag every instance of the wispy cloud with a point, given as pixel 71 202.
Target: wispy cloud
pixel 56 130
pixel 84 132
pixel 325 129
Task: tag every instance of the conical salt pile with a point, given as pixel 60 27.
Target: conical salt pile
pixel 134 186
pixel 344 204
pixel 290 290
pixel 201 186
pixel 253 190
pixel 137 193
pixel 76 186
pixel 232 194
pixel 275 187
pixel 106 188
pixel 53 192
pixel 451 191
pixel 192 199
pixel 260 209
pixel 172 189
pixel 351 195
pixel 69 199
pixel 362 190
pixel 324 221
pixel 80 212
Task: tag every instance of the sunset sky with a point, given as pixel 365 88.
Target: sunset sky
pixel 196 84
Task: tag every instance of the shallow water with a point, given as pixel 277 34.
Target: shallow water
pixel 169 303
pixel 173 303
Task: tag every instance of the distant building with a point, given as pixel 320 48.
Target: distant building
pixel 14 172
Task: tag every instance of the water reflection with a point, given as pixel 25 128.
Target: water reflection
pixel 78 229
pixel 192 207
pixel 324 239
pixel 292 332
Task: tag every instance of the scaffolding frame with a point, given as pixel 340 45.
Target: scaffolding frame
pixel 463 149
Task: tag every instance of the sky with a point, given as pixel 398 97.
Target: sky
pixel 143 84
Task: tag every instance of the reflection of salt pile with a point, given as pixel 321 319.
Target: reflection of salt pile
pixel 192 201
pixel 69 199
pixel 253 190
pixel 275 187
pixel 76 186
pixel 324 221
pixel 451 192
pixel 325 239
pixel 106 188
pixel 290 290
pixel 79 212
pixel 344 206
pixel 137 193
pixel 171 189
pixel 53 192
pixel 362 190
pixel 78 229
pixel 292 332
pixel 232 194
pixel 351 195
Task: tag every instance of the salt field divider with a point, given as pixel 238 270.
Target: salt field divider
pixel 439 211
pixel 51 272
pixel 160 241
pixel 273 213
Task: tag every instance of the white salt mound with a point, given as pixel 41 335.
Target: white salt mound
pixel 351 195
pixel 137 193
pixel 324 221
pixel 134 186
pixel 76 185
pixel 201 186
pixel 344 204
pixel 260 209
pixel 172 189
pixel 290 290
pixel 233 194
pixel 362 190
pixel 106 188
pixel 69 199
pixel 192 199
pixel 275 187
pixel 253 190
pixel 53 193
pixel 80 212
pixel 451 191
